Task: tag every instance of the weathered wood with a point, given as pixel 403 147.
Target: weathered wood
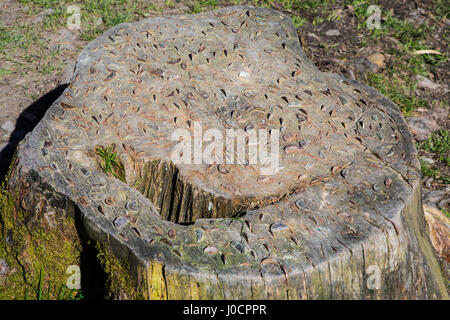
pixel 341 218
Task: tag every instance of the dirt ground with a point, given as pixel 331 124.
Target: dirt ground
pixel 406 59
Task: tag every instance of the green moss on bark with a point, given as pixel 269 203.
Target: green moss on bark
pixel 37 251
pixel 119 284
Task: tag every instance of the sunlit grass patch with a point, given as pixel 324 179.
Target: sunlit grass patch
pixel 439 143
pixel 402 93
pixel 21 36
pixel 109 161
pixel 429 171
pixel 202 5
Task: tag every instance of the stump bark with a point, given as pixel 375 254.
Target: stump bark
pixel 340 217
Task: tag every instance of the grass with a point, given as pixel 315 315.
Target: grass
pixel 203 5
pixel 110 13
pixel 399 90
pixel 313 6
pixel 21 36
pixel 109 162
pixel 438 143
pixel 298 21
pixel 446 212
pixel 5 72
pixel 397 81
pixel 441 9
pixel 61 292
pixel 429 171
pixel 23 50
pixel 318 20
pixel 56 291
pixel 41 281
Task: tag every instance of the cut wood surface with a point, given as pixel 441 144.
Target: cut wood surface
pixel 340 218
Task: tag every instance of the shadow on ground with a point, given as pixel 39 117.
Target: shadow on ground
pixel 26 123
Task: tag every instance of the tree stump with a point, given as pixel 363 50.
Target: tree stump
pixel 340 217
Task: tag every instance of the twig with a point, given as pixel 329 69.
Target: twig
pixel 428 51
